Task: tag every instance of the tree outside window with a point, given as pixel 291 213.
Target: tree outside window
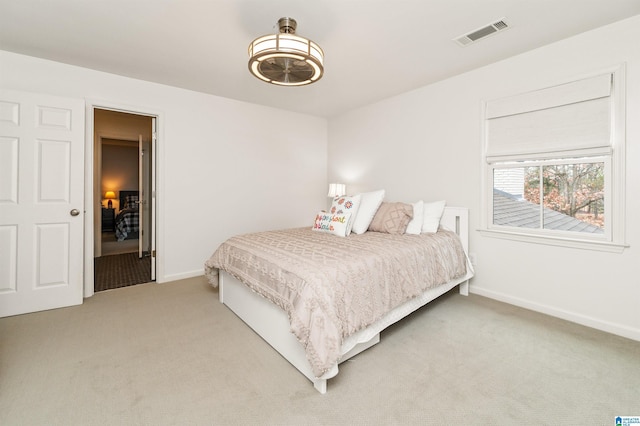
pixel 576 190
pixel 555 195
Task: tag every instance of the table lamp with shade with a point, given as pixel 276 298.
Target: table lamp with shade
pixel 337 190
pixel 110 195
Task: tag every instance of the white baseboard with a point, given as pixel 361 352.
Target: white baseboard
pixel 181 276
pixel 609 327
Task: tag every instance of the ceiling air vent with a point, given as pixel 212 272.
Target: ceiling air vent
pixel 481 33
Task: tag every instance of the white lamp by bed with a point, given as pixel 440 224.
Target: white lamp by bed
pixel 336 190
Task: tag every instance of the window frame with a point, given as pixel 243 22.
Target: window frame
pixel 612 240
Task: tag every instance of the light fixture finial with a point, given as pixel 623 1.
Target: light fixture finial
pixel 287 25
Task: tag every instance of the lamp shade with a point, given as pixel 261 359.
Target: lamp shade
pixel 336 189
pixel 110 195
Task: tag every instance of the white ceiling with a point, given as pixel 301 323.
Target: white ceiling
pixel 374 49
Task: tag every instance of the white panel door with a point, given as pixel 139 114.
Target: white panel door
pixel 41 202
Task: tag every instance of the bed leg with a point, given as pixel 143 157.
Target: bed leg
pixel 220 288
pixel 320 385
pixel 464 288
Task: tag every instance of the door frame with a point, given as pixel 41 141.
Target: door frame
pixel 90 185
pixel 97 174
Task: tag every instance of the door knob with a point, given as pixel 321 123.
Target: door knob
pixel 74 212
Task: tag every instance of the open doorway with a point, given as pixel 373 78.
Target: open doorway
pixel 124 234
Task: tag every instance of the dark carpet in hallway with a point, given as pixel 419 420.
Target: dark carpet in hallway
pixel 121 270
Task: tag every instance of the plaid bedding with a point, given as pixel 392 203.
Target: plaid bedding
pixel 127 223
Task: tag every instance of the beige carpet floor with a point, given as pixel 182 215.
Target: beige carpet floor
pixel 170 354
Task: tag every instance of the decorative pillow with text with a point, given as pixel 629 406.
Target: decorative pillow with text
pixel 346 204
pixel 336 224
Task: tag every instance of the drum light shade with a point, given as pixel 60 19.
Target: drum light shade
pixel 285 58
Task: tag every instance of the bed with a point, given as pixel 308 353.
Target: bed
pixel 287 306
pixel 127 222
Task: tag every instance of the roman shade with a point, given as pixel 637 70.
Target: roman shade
pixel 572 119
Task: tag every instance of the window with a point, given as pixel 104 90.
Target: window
pixel 554 162
pixel 560 195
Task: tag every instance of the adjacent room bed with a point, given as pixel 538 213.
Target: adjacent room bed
pixel 127 221
pixel 320 299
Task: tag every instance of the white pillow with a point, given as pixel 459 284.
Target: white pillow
pixel 346 204
pixel 432 214
pixel 415 226
pixel 369 204
pixel 336 224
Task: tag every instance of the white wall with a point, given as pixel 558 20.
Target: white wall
pixel 426 144
pixel 225 167
pixel 119 170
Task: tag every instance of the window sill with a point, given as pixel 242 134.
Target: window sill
pixel 606 246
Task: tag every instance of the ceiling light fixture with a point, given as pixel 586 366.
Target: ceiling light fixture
pixel 285 58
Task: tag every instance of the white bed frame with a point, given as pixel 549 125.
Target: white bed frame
pixel 272 324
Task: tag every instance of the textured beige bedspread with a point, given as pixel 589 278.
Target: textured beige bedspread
pixel 331 286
